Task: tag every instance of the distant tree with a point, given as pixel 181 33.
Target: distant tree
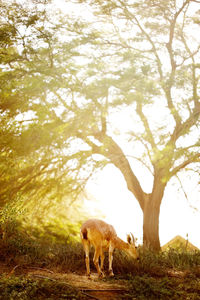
pixel 64 80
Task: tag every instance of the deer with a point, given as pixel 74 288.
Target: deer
pixel 103 238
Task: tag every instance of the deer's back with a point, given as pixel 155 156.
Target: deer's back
pixel 94 229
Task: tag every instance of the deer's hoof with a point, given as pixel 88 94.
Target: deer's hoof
pixel 101 275
pixel 111 274
pixel 89 276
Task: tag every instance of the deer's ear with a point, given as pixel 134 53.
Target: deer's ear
pixel 129 238
pixel 133 239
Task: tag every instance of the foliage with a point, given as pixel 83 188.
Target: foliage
pixel 51 217
pixel 31 130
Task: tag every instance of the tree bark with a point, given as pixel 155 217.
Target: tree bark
pixel 151 226
pixel 151 213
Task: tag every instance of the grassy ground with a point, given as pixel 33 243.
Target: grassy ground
pixel 22 288
pixel 167 275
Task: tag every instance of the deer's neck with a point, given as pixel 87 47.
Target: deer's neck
pixel 120 244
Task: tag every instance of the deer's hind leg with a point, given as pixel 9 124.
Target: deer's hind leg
pixel 98 253
pixel 86 247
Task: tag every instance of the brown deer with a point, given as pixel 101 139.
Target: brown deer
pixel 104 238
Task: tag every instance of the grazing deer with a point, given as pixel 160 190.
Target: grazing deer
pixel 104 238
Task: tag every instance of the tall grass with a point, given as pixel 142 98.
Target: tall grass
pixel 26 246
pixel 33 245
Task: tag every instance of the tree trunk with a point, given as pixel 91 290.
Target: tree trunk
pixel 151 214
pixel 151 227
pixel 149 203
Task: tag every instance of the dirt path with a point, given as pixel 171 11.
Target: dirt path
pixel 93 289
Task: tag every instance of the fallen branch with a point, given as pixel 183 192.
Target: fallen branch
pixel 13 270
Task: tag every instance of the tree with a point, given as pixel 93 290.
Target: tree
pixel 30 128
pixel 73 75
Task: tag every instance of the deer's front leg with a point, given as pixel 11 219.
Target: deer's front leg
pixel 111 249
pixel 102 260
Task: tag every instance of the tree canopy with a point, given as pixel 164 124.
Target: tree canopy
pixel 67 79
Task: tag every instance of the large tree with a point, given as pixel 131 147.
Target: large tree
pixel 64 81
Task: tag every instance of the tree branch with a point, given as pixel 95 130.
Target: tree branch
pixel 194 77
pixel 113 152
pixel 158 61
pixel 170 82
pixel 192 159
pixel 142 141
pixel 142 162
pixel 149 136
pixel 184 127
